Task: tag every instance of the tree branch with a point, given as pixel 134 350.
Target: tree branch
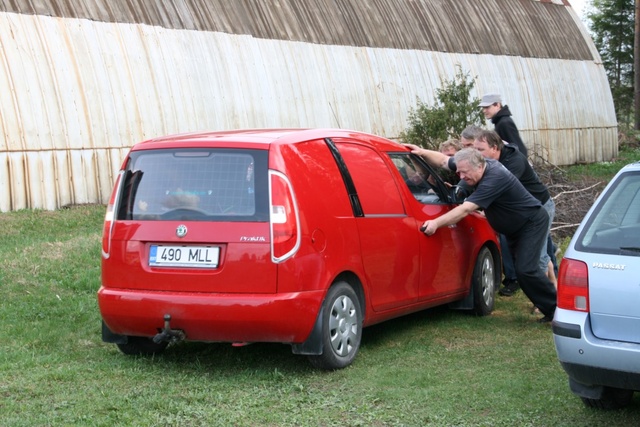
pixel 576 191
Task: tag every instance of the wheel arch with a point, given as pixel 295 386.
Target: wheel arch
pixel 468 302
pixel 313 344
pixel 354 281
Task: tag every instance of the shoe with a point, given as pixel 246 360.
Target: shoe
pixel 509 289
pixel 545 319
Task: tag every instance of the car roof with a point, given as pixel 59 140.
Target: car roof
pixel 263 138
pixel 631 166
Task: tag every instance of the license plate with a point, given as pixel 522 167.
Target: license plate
pixel 184 256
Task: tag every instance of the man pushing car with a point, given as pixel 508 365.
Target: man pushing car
pixel 510 210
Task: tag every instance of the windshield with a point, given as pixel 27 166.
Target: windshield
pixel 195 184
pixel 614 226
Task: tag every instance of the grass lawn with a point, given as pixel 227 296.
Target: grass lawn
pixel 434 368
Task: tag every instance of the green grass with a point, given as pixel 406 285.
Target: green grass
pixel 434 368
pixel 605 170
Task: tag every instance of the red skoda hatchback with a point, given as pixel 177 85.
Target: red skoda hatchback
pixel 284 235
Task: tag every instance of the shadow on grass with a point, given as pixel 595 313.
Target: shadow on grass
pixel 226 359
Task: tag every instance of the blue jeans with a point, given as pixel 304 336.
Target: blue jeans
pixel 551 251
pixel 550 208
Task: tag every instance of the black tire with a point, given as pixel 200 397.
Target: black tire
pixel 141 346
pixel 484 283
pixel 341 328
pixel 612 398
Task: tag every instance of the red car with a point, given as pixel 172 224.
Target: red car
pixel 282 235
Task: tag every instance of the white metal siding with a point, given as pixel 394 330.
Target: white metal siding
pixel 76 94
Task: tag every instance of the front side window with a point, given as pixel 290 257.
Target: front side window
pixel 614 226
pixel 194 184
pixel 425 185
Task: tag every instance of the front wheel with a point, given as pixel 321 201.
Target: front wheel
pixel 341 328
pixel 483 283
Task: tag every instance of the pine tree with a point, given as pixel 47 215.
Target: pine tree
pixel 611 25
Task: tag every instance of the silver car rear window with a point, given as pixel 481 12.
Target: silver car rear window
pixel 614 225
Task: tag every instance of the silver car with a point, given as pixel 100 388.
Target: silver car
pixel 596 328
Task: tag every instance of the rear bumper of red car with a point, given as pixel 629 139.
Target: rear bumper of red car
pixel 286 318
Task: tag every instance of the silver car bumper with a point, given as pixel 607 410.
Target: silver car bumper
pixel 590 361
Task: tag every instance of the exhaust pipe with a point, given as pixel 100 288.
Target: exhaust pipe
pixel 169 335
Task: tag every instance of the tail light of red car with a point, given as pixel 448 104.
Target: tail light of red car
pixel 107 227
pixel 283 217
pixel 573 285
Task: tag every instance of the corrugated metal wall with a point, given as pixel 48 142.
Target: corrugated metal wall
pixel 82 80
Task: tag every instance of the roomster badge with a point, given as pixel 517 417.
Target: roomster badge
pixel 181 231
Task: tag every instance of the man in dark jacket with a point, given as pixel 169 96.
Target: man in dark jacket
pixel 500 116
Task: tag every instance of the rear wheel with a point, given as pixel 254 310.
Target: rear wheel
pixel 484 283
pixel 612 398
pixel 341 328
pixel 141 346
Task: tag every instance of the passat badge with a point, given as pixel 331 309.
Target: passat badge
pixel 181 231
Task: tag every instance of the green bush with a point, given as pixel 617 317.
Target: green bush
pixel 453 110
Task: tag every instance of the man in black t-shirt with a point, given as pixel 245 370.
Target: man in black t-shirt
pixel 510 210
pixel 489 144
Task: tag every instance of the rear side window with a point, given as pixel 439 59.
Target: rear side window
pixel 195 185
pixel 374 183
pixel 614 226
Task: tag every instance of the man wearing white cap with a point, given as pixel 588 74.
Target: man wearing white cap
pixel 500 116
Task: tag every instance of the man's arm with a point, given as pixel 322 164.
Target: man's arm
pixel 450 218
pixel 434 158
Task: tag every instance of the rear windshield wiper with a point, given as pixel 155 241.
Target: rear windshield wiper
pixel 630 248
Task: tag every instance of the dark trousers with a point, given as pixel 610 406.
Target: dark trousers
pixel 525 246
pixel 507 260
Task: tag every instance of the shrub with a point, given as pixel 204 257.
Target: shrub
pixel 453 110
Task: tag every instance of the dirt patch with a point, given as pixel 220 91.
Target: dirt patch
pixel 573 198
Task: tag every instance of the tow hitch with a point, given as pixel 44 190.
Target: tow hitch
pixel 169 335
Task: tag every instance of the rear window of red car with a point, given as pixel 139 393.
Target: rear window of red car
pixel 195 184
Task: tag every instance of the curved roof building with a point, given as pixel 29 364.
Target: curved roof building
pixel 82 80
